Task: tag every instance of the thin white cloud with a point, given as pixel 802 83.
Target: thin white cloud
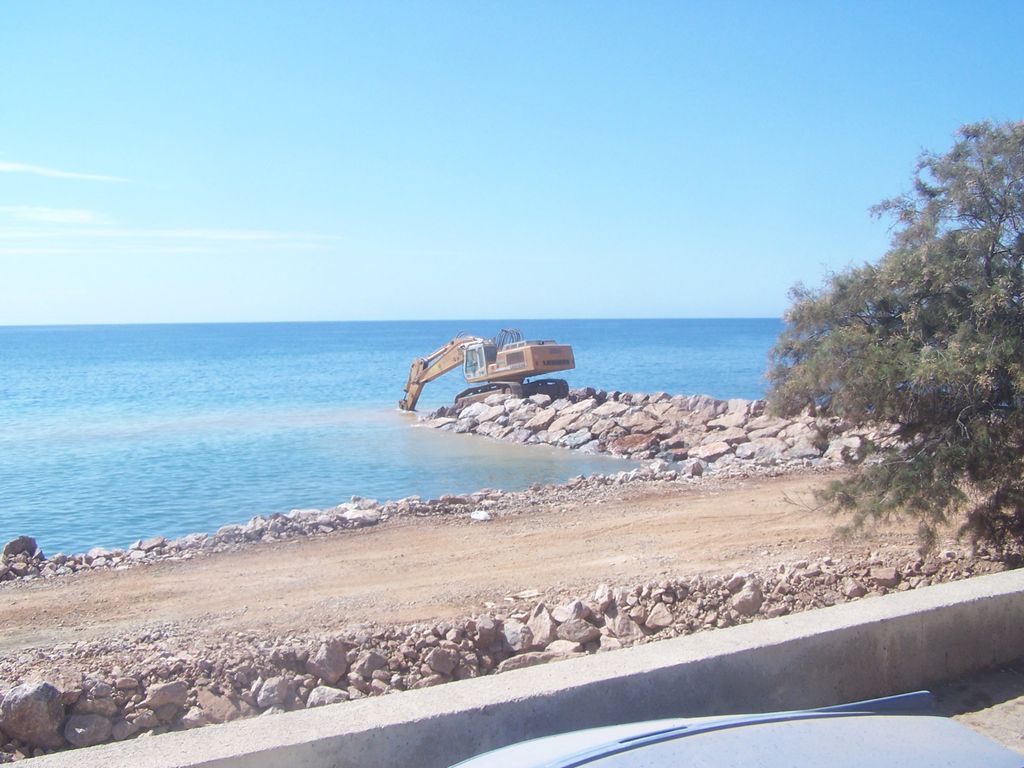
pixel 49 215
pixel 193 235
pixel 38 170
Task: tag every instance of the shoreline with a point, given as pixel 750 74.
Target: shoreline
pixel 680 436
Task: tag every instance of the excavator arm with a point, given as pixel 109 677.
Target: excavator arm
pixel 434 365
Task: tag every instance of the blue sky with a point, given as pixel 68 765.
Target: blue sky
pixel 243 161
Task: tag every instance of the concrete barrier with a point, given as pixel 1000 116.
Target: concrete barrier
pixel 901 642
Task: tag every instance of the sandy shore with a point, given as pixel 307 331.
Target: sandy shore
pixel 410 570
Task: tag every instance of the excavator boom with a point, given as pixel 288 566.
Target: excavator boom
pixel 425 369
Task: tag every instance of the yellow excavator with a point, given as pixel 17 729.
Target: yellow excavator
pixel 501 364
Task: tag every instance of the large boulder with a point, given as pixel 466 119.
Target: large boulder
pixel 764 450
pixel 542 626
pixel 711 451
pixel 87 730
pixel 323 695
pixel 175 693
pixel 23 545
pixel 330 662
pixel 517 635
pixel 578 631
pixel 33 713
pixel 542 419
pixel 630 444
pixel 748 600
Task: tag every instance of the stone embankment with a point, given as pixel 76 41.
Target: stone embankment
pixel 89 692
pixel 698 432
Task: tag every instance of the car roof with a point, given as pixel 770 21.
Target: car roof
pixel 896 732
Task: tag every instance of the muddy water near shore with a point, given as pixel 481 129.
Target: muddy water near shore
pixel 137 480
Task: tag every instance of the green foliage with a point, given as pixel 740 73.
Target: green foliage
pixel 930 339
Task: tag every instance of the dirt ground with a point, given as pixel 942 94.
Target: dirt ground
pixel 992 703
pixel 409 570
pixel 423 569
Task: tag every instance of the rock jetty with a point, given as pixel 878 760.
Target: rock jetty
pixel 696 432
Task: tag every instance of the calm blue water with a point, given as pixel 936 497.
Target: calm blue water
pixel 111 433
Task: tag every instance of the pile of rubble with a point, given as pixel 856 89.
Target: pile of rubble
pixel 172 678
pixel 698 431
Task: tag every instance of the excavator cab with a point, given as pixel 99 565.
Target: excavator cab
pixel 478 357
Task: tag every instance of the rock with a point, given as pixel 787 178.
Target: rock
pixel 491 413
pixel 691 468
pixel 803 448
pixel 22 545
pixel 576 439
pixel 323 695
pixel 578 631
pixel 473 411
pixel 853 588
pixel 87 730
pixel 362 517
pixel 542 626
pixel 194 718
pixel 146 718
pixel 736 583
pixel 542 420
pixel 123 729
pixel 517 635
pixel 659 617
pixel 731 436
pixel 33 713
pixel 580 407
pixel 748 600
pixel 368 663
pixel 440 423
pixel 711 452
pixel 273 693
pixel 846 449
pixel 885 577
pixel 486 631
pixel 222 709
pixel 574 609
pixel 732 420
pixel 329 663
pixel 480 515
pixel 610 408
pixel 523 660
pixel 763 450
pixel 630 444
pixel 604 597
pixel 90 704
pixel 154 543
pixel 565 646
pixel 175 693
pixel 639 423
pixel 442 660
pixel 623 627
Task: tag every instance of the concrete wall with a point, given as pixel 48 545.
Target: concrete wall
pixel 901 642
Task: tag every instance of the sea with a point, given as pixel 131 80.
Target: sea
pixel 113 433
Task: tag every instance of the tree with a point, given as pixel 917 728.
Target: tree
pixel 931 340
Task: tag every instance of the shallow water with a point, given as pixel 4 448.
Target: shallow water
pixel 112 433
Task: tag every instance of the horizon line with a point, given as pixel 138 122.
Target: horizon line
pixel 392 320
